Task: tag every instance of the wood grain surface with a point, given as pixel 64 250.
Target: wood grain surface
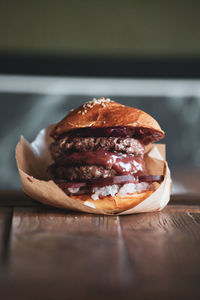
pixel 46 253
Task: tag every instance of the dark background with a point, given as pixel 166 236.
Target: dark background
pixel 104 39
pixel 129 28
pixel 132 38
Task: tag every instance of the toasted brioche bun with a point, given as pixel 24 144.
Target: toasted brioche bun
pixel 113 204
pixel 106 113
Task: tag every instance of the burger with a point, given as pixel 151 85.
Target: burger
pixel 98 151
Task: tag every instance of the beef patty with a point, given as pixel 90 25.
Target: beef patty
pixel 92 168
pixel 82 144
pixel 79 173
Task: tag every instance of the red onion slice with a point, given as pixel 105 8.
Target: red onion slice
pixel 66 185
pixel 151 178
pixel 100 182
pixel 112 180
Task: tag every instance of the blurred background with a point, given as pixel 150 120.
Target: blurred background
pixel 54 55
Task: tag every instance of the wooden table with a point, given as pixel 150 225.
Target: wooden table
pixel 47 253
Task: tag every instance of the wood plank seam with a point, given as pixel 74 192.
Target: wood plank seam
pixel 125 262
pixel 6 238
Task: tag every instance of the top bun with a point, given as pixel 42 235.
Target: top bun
pixel 106 113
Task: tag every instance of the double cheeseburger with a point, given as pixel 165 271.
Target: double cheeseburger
pixel 98 152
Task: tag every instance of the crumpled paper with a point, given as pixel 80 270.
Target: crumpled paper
pixel 33 160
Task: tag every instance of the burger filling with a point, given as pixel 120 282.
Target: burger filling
pixel 100 165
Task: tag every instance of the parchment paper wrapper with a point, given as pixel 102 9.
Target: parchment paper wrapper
pixel 33 160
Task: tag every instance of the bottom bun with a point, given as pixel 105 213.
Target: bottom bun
pixel 113 204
